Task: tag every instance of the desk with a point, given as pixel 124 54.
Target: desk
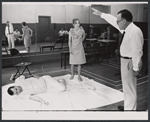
pixel 107 41
pixel 46 46
pixel 4 43
pixel 92 40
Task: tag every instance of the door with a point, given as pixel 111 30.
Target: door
pixel 44 27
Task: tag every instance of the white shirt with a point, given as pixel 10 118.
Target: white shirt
pixel 132 43
pixel 11 29
pixel 61 32
pixel 30 86
pixel 16 34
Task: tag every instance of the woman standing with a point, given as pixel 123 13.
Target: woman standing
pixel 77 55
pixel 27 33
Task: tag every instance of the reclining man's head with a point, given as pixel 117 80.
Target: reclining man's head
pixel 14 90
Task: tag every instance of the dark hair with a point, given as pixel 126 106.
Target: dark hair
pixel 126 15
pixel 10 92
pixel 24 23
pixel 74 20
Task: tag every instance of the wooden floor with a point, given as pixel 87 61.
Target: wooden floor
pixel 102 73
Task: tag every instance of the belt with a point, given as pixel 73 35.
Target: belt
pixel 10 33
pixel 126 57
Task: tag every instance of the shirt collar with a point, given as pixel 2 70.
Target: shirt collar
pixel 129 27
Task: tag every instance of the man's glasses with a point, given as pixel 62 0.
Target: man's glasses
pixel 119 21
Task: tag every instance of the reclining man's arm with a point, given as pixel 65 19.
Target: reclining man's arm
pixel 38 99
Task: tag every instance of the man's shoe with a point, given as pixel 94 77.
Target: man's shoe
pixel 121 108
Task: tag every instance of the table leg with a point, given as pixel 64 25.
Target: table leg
pixel 65 62
pixel 61 59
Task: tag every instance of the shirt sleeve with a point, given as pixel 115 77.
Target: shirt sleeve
pixel 136 44
pixel 111 20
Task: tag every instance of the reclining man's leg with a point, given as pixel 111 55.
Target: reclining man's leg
pixel 54 83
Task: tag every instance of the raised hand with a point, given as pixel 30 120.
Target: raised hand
pixel 96 12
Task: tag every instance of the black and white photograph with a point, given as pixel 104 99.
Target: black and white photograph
pixel 74 61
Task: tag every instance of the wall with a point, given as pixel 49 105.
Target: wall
pixel 96 19
pixel 62 15
pixel 135 9
pixel 57 12
pixel 17 13
pixel 76 11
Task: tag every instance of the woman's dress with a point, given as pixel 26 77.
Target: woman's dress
pixel 78 56
pixel 27 36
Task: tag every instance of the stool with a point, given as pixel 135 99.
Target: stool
pixel 46 46
pixel 64 55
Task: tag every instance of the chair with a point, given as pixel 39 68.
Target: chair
pixel 101 50
pixel 58 44
pixel 90 52
pixel 117 52
pixel 118 60
pixel 49 44
pixel 19 62
pixel 49 39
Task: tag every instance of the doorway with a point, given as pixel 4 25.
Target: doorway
pixel 44 27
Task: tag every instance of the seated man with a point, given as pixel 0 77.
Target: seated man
pixel 17 36
pixel 61 34
pixel 28 88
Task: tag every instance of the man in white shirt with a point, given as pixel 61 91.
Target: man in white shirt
pixel 30 87
pixel 61 34
pixel 131 51
pixel 9 34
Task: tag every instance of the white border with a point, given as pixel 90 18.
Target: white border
pixel 75 3
pixel 75 115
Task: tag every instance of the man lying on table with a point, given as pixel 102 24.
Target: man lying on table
pixel 30 87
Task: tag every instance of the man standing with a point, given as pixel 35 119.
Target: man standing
pixel 9 34
pixel 131 51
